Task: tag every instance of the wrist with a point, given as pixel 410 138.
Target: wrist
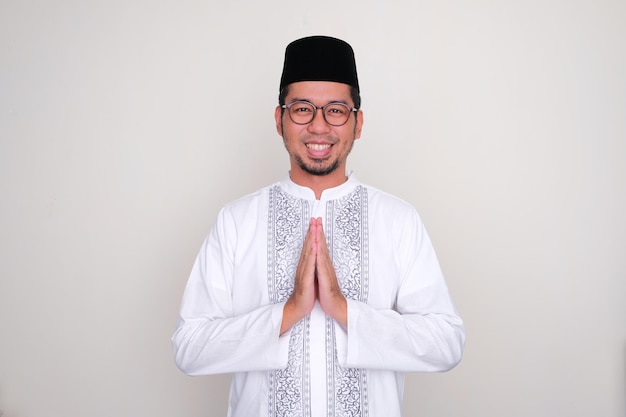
pixel 291 315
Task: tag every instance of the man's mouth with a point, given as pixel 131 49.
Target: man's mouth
pixel 318 146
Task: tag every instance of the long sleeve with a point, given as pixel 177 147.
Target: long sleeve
pixel 213 335
pixel 422 331
pixel 400 315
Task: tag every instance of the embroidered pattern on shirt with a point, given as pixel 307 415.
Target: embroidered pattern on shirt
pixel 288 219
pixel 347 239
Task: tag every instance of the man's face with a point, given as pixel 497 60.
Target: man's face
pixel 318 148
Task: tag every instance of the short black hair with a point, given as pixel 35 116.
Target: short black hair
pixel 354 94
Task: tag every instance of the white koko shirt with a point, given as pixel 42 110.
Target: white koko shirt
pixel 400 315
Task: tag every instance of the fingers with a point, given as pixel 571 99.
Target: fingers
pixel 315 279
pixel 302 299
pixel 306 264
pixel 330 296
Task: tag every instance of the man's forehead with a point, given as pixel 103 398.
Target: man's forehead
pixel 319 89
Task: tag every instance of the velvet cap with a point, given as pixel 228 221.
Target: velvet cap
pixel 319 58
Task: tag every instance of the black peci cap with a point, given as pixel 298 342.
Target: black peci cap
pixel 319 58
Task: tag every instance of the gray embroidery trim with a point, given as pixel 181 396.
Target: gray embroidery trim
pixel 347 239
pixel 288 218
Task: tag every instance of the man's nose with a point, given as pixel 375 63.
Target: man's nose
pixel 318 124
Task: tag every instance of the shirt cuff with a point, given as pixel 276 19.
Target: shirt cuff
pixel 345 350
pixel 282 343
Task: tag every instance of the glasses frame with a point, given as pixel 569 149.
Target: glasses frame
pixel 316 108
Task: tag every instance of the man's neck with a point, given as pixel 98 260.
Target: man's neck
pixel 318 183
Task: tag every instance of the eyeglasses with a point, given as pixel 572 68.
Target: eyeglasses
pixel 303 112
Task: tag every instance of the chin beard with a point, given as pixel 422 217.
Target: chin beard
pixel 319 171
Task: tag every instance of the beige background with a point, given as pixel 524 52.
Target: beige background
pixel 125 125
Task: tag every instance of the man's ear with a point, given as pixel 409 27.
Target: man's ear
pixel 359 124
pixel 278 116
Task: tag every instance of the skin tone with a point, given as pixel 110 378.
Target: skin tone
pixel 318 151
pixel 318 154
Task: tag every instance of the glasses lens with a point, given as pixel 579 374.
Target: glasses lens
pixel 301 112
pixel 336 114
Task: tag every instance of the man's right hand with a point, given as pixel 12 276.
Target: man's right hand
pixel 302 299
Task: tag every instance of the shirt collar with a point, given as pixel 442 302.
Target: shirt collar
pixel 328 194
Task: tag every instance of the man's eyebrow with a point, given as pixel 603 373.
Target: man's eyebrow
pixel 293 100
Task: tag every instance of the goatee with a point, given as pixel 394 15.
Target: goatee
pixel 320 170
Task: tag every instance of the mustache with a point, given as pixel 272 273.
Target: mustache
pixel 325 138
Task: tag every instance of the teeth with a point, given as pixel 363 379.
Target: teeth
pixel 317 147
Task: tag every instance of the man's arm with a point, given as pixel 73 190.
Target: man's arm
pixel 422 330
pixel 209 337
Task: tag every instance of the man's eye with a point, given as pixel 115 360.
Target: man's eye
pixel 302 109
pixel 336 110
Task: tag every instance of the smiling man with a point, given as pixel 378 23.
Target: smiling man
pixel 320 130
pixel 317 292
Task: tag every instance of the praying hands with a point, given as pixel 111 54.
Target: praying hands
pixel 315 279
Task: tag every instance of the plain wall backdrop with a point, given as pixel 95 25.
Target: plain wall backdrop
pixel 126 125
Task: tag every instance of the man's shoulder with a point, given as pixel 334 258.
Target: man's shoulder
pixel 386 200
pixel 247 200
pixel 391 212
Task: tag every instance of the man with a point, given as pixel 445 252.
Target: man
pixel 317 292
